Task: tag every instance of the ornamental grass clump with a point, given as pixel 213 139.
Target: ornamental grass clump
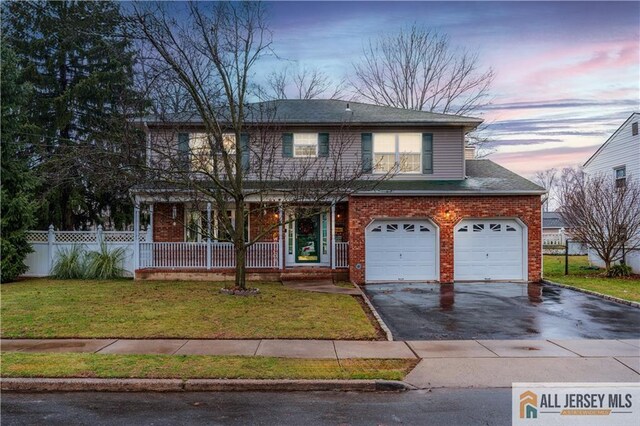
pixel 70 264
pixel 105 264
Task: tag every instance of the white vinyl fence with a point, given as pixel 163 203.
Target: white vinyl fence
pixel 555 242
pixel 47 245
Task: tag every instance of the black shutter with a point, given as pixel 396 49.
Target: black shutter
pixel 244 146
pixel 183 151
pixel 367 152
pixel 427 153
pixel 323 144
pixel 287 144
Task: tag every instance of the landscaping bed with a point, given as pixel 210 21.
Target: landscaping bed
pixel 583 277
pixel 67 365
pixel 44 308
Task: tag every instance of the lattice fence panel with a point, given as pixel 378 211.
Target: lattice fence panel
pixel 37 236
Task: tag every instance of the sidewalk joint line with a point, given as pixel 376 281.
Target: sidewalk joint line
pixel 489 349
pixel 181 346
pixel 258 347
pixel 411 349
pixel 106 346
pixel 566 349
pixel 637 372
pixel 335 351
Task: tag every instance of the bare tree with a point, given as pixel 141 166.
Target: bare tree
pixel 601 213
pixel 236 158
pixel 548 179
pixel 304 83
pixel 418 68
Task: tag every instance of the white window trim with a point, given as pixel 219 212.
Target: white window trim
pixel 304 144
pixel 396 167
pixel 215 228
pixel 617 179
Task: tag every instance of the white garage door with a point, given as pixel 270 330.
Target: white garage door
pixel 488 250
pixel 401 250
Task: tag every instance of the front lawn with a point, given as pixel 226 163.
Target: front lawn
pixel 44 308
pixel 582 277
pixel 16 364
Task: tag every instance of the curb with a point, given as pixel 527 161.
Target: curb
pixel 198 385
pixel 594 293
pixel 376 315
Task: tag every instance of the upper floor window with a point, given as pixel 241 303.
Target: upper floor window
pixel 305 144
pixel 200 149
pixel 634 128
pixel 397 151
pixel 621 176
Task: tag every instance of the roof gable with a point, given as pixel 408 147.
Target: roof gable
pixel 612 137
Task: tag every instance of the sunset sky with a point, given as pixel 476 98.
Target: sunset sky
pixel 567 74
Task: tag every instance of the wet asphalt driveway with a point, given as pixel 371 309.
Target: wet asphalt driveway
pixel 499 311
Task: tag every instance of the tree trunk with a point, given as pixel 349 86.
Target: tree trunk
pixel 241 268
pixel 240 246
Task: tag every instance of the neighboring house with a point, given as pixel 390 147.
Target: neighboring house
pixel 555 236
pixel 619 157
pixel 444 217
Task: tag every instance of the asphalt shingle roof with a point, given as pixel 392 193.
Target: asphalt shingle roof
pixel 484 177
pixel 332 111
pixel 552 220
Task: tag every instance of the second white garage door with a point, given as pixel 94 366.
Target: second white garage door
pixel 401 250
pixel 489 250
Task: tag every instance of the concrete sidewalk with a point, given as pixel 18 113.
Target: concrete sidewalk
pixel 445 363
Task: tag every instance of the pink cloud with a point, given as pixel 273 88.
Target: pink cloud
pixel 529 162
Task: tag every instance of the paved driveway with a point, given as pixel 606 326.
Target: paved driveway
pixel 499 311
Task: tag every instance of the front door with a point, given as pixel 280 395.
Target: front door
pixel 308 239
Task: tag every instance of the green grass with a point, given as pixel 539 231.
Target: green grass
pixel 17 364
pixel 45 308
pixel 594 280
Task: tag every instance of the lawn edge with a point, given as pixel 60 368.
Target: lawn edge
pixel 374 313
pixel 197 385
pixel 594 293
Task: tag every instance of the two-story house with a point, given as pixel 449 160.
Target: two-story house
pixel 619 158
pixel 441 217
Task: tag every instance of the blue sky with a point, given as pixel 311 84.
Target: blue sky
pixel 567 73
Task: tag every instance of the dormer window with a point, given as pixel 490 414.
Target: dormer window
pixel 620 174
pixel 401 152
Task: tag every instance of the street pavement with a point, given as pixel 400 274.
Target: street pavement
pixel 438 407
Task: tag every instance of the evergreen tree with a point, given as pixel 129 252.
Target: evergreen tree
pixel 79 60
pixel 18 182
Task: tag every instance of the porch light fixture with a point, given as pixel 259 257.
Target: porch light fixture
pixel 447 214
pixel 174 214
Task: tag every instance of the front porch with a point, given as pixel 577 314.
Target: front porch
pixel 187 242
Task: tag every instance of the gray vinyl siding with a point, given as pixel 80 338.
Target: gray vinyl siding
pixel 448 148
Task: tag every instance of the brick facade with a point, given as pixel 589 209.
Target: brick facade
pixel 165 228
pixel 362 210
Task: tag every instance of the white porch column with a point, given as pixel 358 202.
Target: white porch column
pixel 333 235
pixel 208 235
pixel 149 238
pixel 51 238
pixel 136 236
pixel 280 237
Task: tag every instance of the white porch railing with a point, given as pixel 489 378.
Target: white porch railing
pixel 342 255
pixel 554 239
pixel 262 255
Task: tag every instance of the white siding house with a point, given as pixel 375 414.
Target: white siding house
pixel 619 157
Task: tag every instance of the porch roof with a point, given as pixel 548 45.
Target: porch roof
pixel 484 177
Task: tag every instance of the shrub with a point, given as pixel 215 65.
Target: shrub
pixel 70 264
pixel 105 264
pixel 620 270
